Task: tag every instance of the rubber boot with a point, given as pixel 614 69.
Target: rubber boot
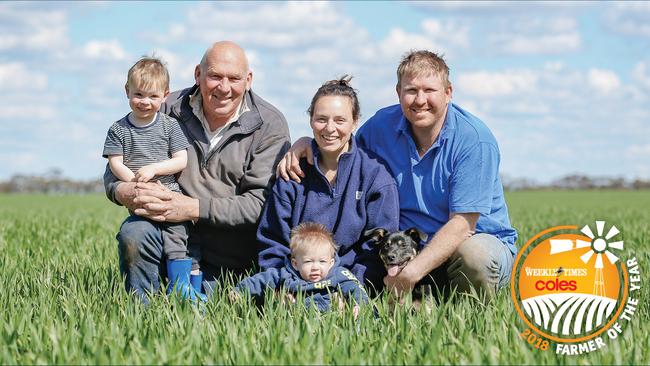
pixel 196 280
pixel 178 272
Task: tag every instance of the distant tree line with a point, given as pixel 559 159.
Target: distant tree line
pixel 53 182
pixel 575 181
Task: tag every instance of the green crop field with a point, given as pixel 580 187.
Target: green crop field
pixel 63 302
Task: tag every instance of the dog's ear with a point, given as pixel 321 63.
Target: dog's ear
pixel 375 234
pixel 416 234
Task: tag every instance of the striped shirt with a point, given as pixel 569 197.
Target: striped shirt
pixel 146 145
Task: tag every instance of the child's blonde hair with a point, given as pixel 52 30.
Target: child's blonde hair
pixel 149 73
pixel 309 235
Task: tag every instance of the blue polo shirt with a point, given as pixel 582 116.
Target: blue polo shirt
pixel 458 174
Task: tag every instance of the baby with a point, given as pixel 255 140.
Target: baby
pixel 313 271
pixel 145 145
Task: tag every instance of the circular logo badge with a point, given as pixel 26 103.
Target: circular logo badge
pixel 568 285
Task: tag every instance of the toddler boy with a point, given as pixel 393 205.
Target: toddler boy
pixel 313 271
pixel 145 145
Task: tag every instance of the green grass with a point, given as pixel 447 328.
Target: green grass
pixel 63 302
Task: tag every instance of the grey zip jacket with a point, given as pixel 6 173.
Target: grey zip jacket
pixel 230 181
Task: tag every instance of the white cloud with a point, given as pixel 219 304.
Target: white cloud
pixel 603 81
pixel 497 84
pixel 399 41
pixel 29 108
pixel 629 18
pixel 179 66
pixel 536 36
pixel 641 74
pixel 638 151
pixel 434 35
pixel 14 161
pixel 477 8
pixel 550 88
pixel 289 25
pixel 16 75
pixel 104 50
pixel 544 44
pixel 27 28
pixel 515 27
pixel 448 32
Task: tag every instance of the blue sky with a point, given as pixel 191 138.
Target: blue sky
pixel 564 86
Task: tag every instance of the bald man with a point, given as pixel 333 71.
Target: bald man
pixel 236 141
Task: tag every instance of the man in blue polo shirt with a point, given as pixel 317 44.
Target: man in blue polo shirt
pixel 446 164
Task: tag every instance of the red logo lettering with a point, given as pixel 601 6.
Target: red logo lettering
pixel 556 285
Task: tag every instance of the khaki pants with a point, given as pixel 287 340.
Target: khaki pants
pixel 482 264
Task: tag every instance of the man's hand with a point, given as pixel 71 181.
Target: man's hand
pixel 156 202
pixel 145 174
pixel 125 194
pixel 403 283
pixel 289 166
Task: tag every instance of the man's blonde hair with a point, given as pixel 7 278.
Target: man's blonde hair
pixel 149 73
pixel 309 235
pixel 422 62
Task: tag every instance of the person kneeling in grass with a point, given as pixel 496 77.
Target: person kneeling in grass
pixel 313 271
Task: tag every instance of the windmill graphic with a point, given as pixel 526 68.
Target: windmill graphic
pixel 598 245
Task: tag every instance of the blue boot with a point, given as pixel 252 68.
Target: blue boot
pixel 196 280
pixel 178 272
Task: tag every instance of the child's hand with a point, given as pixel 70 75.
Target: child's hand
pixel 355 311
pixel 286 297
pixel 290 298
pixel 145 174
pixel 234 296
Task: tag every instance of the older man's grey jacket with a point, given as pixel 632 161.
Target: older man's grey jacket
pixel 230 181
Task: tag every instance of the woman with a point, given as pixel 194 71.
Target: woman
pixel 345 190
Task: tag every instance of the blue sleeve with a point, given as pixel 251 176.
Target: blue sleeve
pixel 383 212
pixel 351 289
pixel 274 230
pixel 256 285
pixel 471 185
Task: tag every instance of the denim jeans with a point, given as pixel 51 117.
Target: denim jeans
pixel 481 263
pixel 143 263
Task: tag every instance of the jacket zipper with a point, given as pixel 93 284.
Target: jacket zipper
pixel 217 148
